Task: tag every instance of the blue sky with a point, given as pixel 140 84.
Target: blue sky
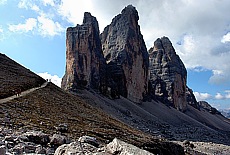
pixel 32 32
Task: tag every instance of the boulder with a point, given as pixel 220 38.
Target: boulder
pixel 2 150
pixel 37 137
pixel 90 140
pixel 168 75
pixel 126 56
pixel 117 147
pixel 75 148
pixel 122 148
pixel 58 140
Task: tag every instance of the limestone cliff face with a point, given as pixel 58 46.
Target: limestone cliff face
pixel 126 55
pixel 167 74
pixel 84 57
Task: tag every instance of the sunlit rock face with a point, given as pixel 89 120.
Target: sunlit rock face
pixel 85 63
pixel 126 55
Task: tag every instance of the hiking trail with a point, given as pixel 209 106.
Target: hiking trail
pixel 23 93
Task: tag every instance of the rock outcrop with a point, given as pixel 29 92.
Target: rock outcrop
pixel 168 74
pixel 117 147
pixel 84 57
pixel 191 99
pixel 205 106
pixel 126 55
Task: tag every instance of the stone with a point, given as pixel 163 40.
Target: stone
pixel 126 56
pixel 40 150
pixel 2 150
pixel 75 148
pixel 84 57
pixel 58 140
pixel 167 75
pixel 37 137
pixel 62 128
pixel 119 147
pixel 89 140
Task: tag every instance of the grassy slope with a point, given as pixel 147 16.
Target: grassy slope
pixel 14 76
pixel 48 107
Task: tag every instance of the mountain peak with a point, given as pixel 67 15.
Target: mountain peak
pixel 130 10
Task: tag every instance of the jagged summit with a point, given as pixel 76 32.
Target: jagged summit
pixel 84 56
pixel 125 51
pixel 168 74
pixel 130 10
pixel 89 19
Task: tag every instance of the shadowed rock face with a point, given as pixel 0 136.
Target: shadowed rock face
pixel 126 54
pixel 167 74
pixel 191 99
pixel 84 58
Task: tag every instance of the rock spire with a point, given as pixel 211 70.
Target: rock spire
pixel 168 74
pixel 84 58
pixel 126 56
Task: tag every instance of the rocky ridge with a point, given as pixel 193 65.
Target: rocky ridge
pixel 118 63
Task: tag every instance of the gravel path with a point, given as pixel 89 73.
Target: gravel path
pixel 22 93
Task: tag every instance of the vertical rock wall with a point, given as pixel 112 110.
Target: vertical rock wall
pixel 84 58
pixel 126 55
pixel 167 74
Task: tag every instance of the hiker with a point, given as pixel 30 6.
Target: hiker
pixel 14 93
pixel 18 92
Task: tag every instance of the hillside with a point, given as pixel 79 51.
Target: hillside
pixel 46 108
pixel 14 76
pixel 158 119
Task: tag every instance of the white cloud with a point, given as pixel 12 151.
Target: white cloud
pixel 202 96
pixel 48 2
pixel 72 10
pixel 218 96
pixel 54 78
pixel 29 25
pixel 29 5
pixel 45 25
pixel 202 35
pixel 48 27
pixel 226 38
pixel 2 2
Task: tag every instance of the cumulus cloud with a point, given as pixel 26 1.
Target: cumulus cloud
pixel 54 78
pixel 73 13
pixel 200 37
pixel 29 25
pixel 43 24
pixel 28 4
pixel 48 27
pixel 218 96
pixel 223 96
pixel 202 96
pixel 48 2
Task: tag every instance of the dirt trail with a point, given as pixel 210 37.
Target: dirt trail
pixel 22 93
